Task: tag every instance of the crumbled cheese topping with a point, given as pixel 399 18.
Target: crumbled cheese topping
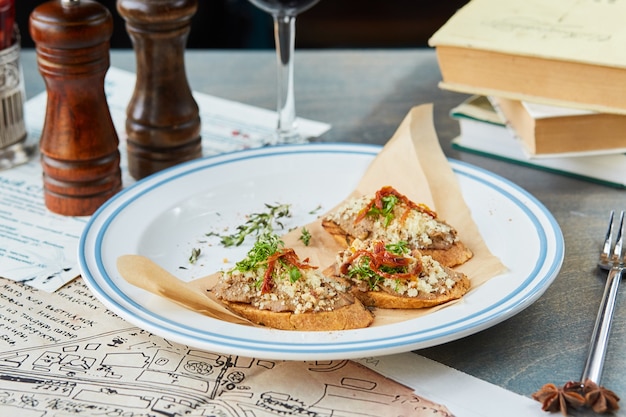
pixel 417 228
pixel 311 292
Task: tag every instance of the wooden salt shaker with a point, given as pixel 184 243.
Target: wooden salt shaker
pixel 79 144
pixel 163 122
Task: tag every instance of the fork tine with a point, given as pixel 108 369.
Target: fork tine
pixel 613 261
pixel 608 238
pixel 617 258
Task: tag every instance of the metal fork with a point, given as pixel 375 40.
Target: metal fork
pixel 612 259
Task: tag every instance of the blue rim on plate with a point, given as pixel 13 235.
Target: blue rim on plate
pixel 497 206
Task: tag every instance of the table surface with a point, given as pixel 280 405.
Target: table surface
pixel 364 95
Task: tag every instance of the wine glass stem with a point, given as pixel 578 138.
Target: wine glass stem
pixel 284 37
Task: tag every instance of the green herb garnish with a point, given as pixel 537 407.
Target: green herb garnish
pixel 294 274
pixel 364 272
pixel 389 202
pixel 195 253
pixel 257 224
pixel 393 269
pixel 266 245
pixel 305 236
pixel 399 248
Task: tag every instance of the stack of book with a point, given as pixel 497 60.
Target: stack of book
pixel 548 78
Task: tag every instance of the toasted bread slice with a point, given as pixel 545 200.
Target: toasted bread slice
pixel 391 216
pixel 350 316
pixel 272 287
pixel 392 276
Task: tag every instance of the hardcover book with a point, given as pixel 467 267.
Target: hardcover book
pixel 484 133
pixel 562 52
pixel 548 131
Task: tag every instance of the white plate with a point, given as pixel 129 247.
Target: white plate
pixel 166 215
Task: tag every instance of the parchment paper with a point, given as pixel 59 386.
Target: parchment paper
pixel 412 162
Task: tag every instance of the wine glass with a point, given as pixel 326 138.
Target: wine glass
pixel 284 14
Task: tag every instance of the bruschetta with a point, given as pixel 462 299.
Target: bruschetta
pixel 272 287
pixel 391 216
pixel 390 275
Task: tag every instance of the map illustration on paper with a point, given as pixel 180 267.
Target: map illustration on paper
pixel 64 354
pixel 132 373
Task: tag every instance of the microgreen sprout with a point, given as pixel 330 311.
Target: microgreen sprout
pixel 389 202
pixel 305 236
pixel 399 248
pixel 266 245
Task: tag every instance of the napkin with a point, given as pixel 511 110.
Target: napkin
pixel 413 163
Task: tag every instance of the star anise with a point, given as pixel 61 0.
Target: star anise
pixel 600 399
pixel 553 398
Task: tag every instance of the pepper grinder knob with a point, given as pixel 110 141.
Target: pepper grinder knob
pixel 162 118
pixel 79 144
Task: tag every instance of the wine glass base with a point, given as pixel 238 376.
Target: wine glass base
pixel 287 138
pixel 17 154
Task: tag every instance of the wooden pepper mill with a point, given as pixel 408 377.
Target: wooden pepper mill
pixel 163 122
pixel 79 144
